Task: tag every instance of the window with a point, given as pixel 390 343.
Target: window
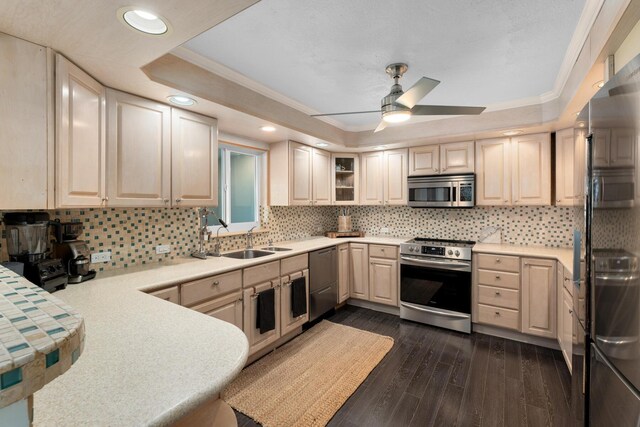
pixel 240 172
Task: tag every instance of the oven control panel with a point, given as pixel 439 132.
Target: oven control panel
pixel 436 251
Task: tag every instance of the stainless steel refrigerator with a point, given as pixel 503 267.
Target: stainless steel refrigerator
pixel 610 227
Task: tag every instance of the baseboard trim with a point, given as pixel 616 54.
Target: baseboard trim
pixel 515 336
pixel 374 306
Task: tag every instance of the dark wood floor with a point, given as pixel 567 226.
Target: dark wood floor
pixel 437 377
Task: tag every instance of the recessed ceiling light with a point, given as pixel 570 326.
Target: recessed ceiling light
pixel 598 85
pixel 143 20
pixel 181 100
pixel 267 129
pixel 512 132
pixel 578 113
pixel 581 124
pixel 322 144
pixel 379 147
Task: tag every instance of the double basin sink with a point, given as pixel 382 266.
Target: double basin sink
pixel 255 253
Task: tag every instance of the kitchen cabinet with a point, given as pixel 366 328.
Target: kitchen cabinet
pixel 539 310
pixel 570 151
pixel 384 178
pixel 194 159
pixel 289 323
pixel 227 308
pixel 455 157
pixel 601 147
pixel 346 179
pixel 531 170
pixel 496 290
pixel 138 151
pixel 343 272
pixel 200 290
pixel 299 175
pixel 258 341
pixel 493 172
pixel 359 271
pixel 171 294
pixel 614 148
pixel 80 138
pixel 565 314
pixel 26 125
pixel 383 274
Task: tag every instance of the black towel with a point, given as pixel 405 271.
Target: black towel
pixel 266 318
pixel 299 297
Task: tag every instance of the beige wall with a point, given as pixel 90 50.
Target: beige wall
pixel 629 49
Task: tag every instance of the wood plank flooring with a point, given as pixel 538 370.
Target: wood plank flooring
pixel 435 377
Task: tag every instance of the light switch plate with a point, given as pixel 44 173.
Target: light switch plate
pixel 99 257
pixel 163 249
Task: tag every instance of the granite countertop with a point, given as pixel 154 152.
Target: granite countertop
pixel 564 255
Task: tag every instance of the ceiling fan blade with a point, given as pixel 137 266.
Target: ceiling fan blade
pixel 416 92
pixel 350 112
pixel 381 126
pixel 444 110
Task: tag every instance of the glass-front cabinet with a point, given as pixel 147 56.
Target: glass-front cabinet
pixel 346 178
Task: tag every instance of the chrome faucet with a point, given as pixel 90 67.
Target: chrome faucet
pixel 203 233
pixel 250 238
pixel 216 247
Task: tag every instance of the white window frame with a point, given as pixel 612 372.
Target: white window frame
pixel 260 155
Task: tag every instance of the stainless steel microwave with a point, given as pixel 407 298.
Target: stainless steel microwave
pixel 442 191
pixel 613 188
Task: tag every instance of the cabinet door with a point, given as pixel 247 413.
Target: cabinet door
pixel 383 281
pixel 395 177
pixel 24 115
pixel 531 170
pixel 257 340
pixel 194 159
pixel 601 147
pixel 539 297
pixel 227 308
pixel 345 169
pixel 343 272
pixel 371 182
pixel 138 151
pixel 457 157
pixel 493 174
pixel 565 327
pixel 171 294
pixel 566 173
pixel 288 323
pixel 80 137
pixel 321 177
pixel 359 271
pixel 300 179
pixel 424 160
pixel 623 143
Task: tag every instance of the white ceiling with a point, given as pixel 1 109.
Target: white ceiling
pixel 330 55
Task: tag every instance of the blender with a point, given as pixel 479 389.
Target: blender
pixel 27 235
pixel 74 253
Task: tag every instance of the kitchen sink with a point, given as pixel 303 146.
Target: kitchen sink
pixel 276 249
pixel 247 254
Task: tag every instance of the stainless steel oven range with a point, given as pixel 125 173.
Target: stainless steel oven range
pixel 435 282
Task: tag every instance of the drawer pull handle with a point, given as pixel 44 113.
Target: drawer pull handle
pixel 570 311
pixel 497 293
pixel 216 283
pixel 566 279
pixel 497 277
pixel 498 260
pixel 497 313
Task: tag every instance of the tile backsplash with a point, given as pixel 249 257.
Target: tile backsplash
pixel 131 234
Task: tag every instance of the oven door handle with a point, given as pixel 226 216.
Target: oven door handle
pixel 434 311
pixel 438 264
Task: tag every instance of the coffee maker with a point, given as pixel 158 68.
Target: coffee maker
pixel 74 253
pixel 27 235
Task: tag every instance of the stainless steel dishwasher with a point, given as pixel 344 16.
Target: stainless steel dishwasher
pixel 323 281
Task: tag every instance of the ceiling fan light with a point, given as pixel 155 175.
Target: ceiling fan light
pixel 396 116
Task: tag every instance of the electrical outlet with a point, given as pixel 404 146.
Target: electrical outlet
pixel 100 257
pixel 384 230
pixel 163 249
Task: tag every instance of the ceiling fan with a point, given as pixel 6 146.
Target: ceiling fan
pixel 398 106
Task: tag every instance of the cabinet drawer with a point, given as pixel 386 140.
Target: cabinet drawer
pixel 210 287
pixel 499 297
pixel 380 251
pixel 497 316
pixel 171 294
pixel 566 281
pixel 499 262
pixel 294 263
pixel 261 273
pixel 227 308
pixel 499 279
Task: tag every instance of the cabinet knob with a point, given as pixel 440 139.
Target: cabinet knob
pixel 435 170
pixel 558 201
pixel 105 199
pixel 498 260
pixel 506 201
pixel 497 293
pixel 178 200
pixel 497 277
pixel 570 311
pixel 498 313
pixel 515 201
pixel 216 283
pixel 166 201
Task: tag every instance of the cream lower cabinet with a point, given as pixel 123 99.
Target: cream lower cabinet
pixel 80 138
pixel 255 280
pixel 227 308
pixel 383 274
pixel 343 272
pixel 565 314
pixel 291 269
pixel 171 294
pixel 539 295
pixel 359 271
pixel 496 290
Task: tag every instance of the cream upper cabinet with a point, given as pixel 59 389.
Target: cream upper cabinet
pixel 321 177
pixel 138 151
pixel 424 160
pixel 301 164
pixel 371 184
pixel 395 190
pixel 493 172
pixel 531 170
pixel 80 137
pixel 569 167
pixel 457 157
pixel 343 272
pixel 359 271
pixel 601 147
pixel 539 296
pixel 25 114
pixel 194 159
pixel 345 169
pixel 623 143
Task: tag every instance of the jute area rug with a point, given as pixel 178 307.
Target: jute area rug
pixel 306 381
